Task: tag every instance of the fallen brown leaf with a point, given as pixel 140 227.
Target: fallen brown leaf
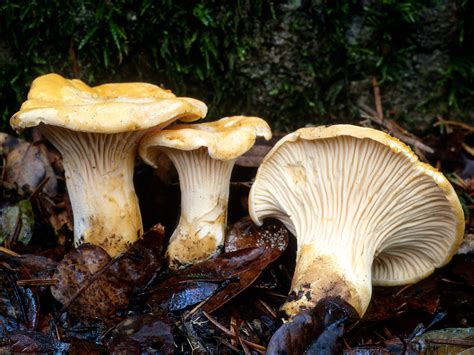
pixel 214 282
pixel 26 166
pixel 142 334
pixel 92 284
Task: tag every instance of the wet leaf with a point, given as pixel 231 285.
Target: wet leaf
pixel 245 234
pixel 367 350
pixel 224 276
pixel 91 284
pixel 79 346
pixel 26 166
pixel 390 302
pixel 314 331
pixel 446 341
pixel 244 279
pixel 100 298
pixel 16 223
pixel 30 270
pixel 143 260
pixel 35 342
pixel 142 334
pixel 19 307
pixel 191 295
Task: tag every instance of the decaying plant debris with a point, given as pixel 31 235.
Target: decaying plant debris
pixel 58 294
pixel 52 300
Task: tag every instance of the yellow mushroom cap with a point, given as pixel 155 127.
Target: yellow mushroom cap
pixel 225 139
pixel 107 108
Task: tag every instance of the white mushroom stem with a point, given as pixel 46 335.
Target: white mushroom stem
pixel 99 178
pixel 204 184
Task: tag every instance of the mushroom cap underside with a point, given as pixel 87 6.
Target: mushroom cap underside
pixel 225 139
pixel 349 170
pixel 107 108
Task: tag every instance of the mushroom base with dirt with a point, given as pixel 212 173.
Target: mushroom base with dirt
pixel 204 198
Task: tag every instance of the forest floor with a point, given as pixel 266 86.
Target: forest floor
pixel 55 298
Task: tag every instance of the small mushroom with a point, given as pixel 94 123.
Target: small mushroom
pixel 97 130
pixel 204 155
pixel 363 209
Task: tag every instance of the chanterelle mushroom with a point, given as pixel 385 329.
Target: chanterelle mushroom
pixel 204 155
pixel 97 130
pixel 363 208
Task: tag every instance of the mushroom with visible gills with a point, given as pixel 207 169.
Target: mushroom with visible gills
pixel 204 155
pixel 97 130
pixel 364 211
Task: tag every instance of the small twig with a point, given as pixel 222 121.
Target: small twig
pixel 377 116
pixel 454 123
pixel 378 100
pixel 232 334
pixel 58 335
pixel 107 332
pixel 230 346
pixel 420 154
pixel 10 241
pixel 414 141
pixel 196 308
pixel 218 325
pixel 402 290
pixel 268 308
pixel 468 149
pixel 200 304
pixel 255 346
pixel 276 294
pixel 458 181
pixel 452 282
pixel 233 327
pixel 462 342
pixel 379 335
pixel 199 280
pixel 73 58
pixel 36 282
pixel 346 344
pixel 4 265
pixel 39 188
pixel 8 252
pixel 244 346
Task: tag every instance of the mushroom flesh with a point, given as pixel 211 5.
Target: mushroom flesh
pixel 204 155
pixel 363 209
pixel 97 130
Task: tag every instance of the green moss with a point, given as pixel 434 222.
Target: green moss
pixel 229 54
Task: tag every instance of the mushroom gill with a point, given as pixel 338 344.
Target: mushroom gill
pixel 363 209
